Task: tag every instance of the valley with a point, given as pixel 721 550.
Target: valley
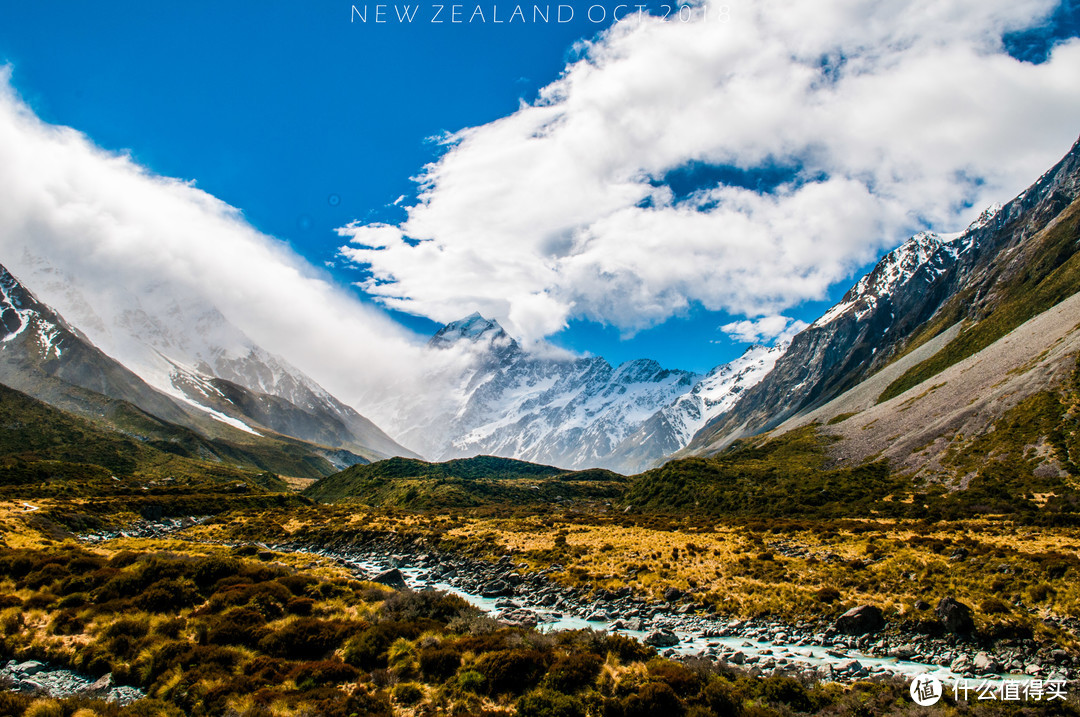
pixel 191 525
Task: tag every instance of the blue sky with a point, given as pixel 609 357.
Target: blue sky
pixel 306 122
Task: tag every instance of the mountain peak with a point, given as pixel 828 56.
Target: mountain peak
pixel 472 328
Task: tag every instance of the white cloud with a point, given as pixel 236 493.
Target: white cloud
pixel 766 330
pixel 124 232
pixel 895 114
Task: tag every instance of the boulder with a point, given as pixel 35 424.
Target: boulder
pixel 519 618
pixel 985 664
pixel 673 594
pixel 848 667
pixel 904 652
pixel 28 668
pixel 392 578
pixel 101 686
pixel 860 620
pixel 961 665
pixel 496 588
pixel 661 639
pixel 955 616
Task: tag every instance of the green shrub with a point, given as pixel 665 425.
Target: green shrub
pixel 324 672
pixel 438 663
pixel 168 595
pixel 368 649
pixel 427 605
pixel 573 672
pixel 300 606
pixel 512 671
pixel 545 703
pixel 786 690
pixel 268 598
pixel 305 638
pixel 681 679
pixel 408 693
pixel 238 626
pixel 470 681
pixel 654 698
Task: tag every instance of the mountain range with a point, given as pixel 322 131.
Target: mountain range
pixel 172 368
pixel 568 411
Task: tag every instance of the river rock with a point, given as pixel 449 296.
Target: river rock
pixel 985 664
pixel 496 588
pixel 28 668
pixel 661 639
pixel 955 616
pixel 904 652
pixel 848 667
pixel 961 665
pixel 519 618
pixel 101 686
pixel 597 616
pixel 860 620
pixel 391 578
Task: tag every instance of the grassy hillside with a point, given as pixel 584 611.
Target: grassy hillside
pixel 787 476
pixel 48 452
pixel 124 439
pixel 465 482
pixel 1024 467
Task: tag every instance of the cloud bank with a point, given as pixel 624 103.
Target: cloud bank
pixel 122 231
pixel 741 165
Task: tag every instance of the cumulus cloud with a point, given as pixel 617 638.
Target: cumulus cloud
pixel 119 232
pixel 881 118
pixel 766 330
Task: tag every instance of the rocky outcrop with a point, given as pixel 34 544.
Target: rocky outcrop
pixel 860 620
pixel 955 616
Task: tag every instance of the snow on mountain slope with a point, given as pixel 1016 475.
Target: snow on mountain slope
pixel 180 345
pixel 720 389
pixel 934 251
pixel 893 271
pixel 564 410
pixel 551 408
pixel 673 426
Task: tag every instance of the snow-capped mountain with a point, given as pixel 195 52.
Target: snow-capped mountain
pixel 673 426
pixel 43 355
pixel 894 305
pixel 926 251
pixel 555 409
pixel 569 411
pixel 184 347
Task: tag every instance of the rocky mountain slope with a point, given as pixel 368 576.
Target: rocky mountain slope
pixel 44 356
pixel 673 426
pixel 989 279
pixel 188 350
